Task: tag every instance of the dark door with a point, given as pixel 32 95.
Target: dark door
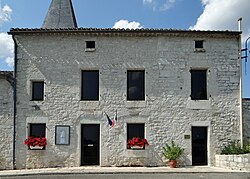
pixel 90 144
pixel 199 145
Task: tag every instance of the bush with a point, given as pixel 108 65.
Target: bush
pixel 235 148
pixel 173 151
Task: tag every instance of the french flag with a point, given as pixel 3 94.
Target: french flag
pixel 111 122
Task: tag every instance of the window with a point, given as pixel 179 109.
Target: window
pixel 37 91
pixel 198 84
pixel 90 44
pixel 37 130
pixel 135 130
pixel 136 85
pixel 90 85
pixel 199 44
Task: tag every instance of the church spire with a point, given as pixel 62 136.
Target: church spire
pixel 60 15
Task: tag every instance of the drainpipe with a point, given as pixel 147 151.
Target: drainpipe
pixel 240 60
pixel 14 98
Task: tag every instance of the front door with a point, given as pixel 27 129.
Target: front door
pixel 199 145
pixel 90 147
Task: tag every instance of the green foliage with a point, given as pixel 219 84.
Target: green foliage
pixel 235 148
pixel 172 152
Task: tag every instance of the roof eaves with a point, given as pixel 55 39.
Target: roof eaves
pixel 14 31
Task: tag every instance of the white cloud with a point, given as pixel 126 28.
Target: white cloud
pixel 147 1
pixel 7 49
pixel 161 5
pixel 167 5
pixel 5 14
pixel 223 15
pixel 127 25
pixel 6 42
pixel 10 61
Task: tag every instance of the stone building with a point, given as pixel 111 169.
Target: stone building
pixel 163 84
pixel 246 119
pixel 6 119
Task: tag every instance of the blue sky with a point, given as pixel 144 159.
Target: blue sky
pixel 176 14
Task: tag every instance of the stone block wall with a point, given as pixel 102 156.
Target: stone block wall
pixel 167 112
pixel 6 124
pixel 246 119
pixel 235 162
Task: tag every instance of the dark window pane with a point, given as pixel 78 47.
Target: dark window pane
pixel 90 44
pixel 90 85
pixel 37 91
pixel 135 130
pixel 199 44
pixel 37 130
pixel 136 85
pixel 198 84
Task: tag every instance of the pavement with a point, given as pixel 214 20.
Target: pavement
pixel 119 170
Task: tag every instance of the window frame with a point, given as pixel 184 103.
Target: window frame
pixel 194 96
pixel 90 46
pixel 33 91
pixel 97 85
pixel 128 83
pixel 143 132
pixel 199 44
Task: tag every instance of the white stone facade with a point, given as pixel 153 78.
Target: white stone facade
pixel 167 111
pixel 246 119
pixel 6 123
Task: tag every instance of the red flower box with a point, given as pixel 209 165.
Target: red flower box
pixel 35 141
pixel 136 141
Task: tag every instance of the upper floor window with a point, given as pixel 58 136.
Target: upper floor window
pixel 198 84
pixel 136 85
pixel 37 91
pixel 90 85
pixel 199 44
pixel 90 45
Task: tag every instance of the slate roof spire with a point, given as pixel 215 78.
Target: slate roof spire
pixel 60 15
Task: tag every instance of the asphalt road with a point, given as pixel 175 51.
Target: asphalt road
pixel 136 176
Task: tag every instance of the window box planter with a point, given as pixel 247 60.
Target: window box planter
pixel 137 143
pixel 36 147
pixel 35 143
pixel 137 147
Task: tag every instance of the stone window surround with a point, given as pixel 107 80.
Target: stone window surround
pixel 200 50
pixel 200 104
pixel 136 70
pixel 134 123
pixel 138 103
pixel 137 153
pixel 30 88
pixel 36 120
pixel 90 49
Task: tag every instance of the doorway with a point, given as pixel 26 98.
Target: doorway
pixel 90 144
pixel 199 146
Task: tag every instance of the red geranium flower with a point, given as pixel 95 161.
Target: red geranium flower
pixel 35 141
pixel 137 141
